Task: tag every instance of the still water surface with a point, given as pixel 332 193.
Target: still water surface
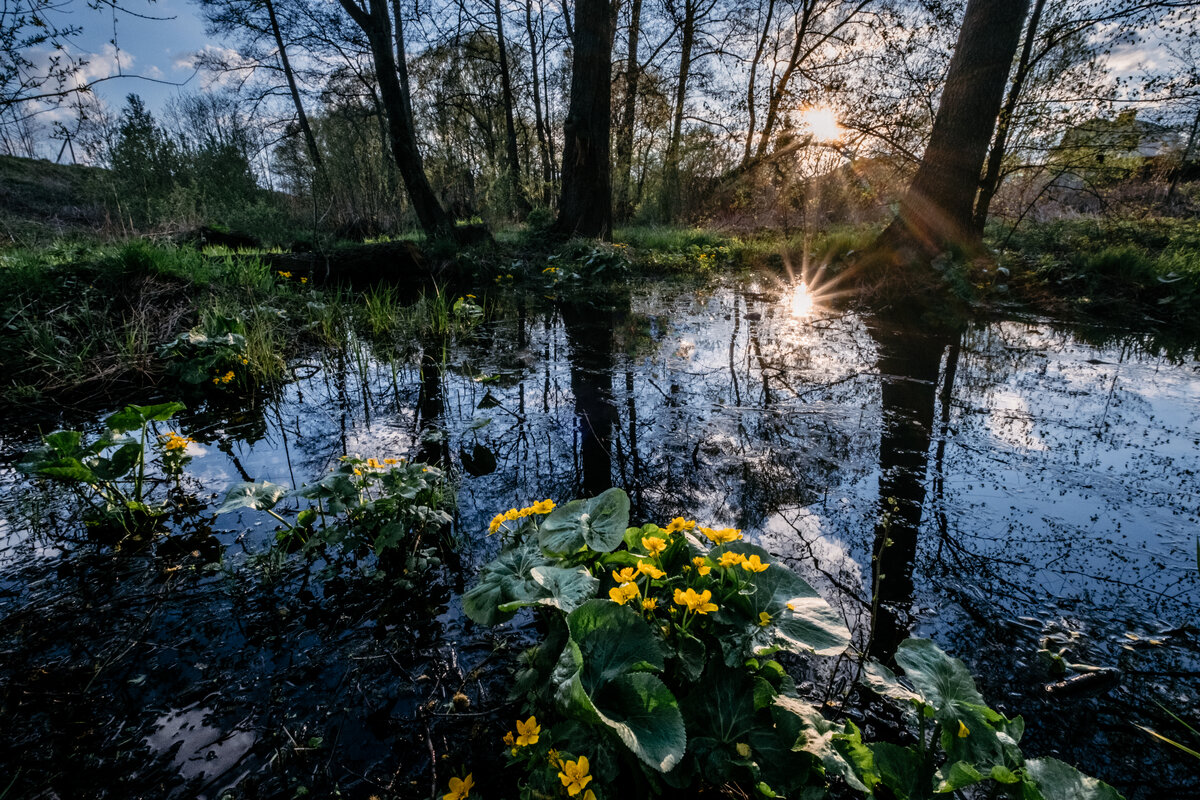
pixel 1045 487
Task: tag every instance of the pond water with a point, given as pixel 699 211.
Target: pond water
pixel 1045 496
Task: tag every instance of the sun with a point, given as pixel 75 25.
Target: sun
pixel 822 123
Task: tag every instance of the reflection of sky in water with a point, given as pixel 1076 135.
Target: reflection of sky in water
pixel 1067 494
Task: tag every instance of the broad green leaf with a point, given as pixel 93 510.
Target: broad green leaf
pixel 1059 781
pixel 723 708
pixel 884 682
pixel 816 737
pixel 160 412
pixel 645 715
pixel 508 579
pixel 614 640
pixel 258 496
pixel 63 442
pixel 119 464
pixel 64 469
pixel 562 588
pixel 954 776
pixel 802 621
pixel 939 678
pixel 599 523
pixel 899 769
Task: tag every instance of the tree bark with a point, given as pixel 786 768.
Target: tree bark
pixel 375 21
pixel 539 122
pixel 758 51
pixel 936 211
pixel 671 181
pixel 624 135
pixel 309 140
pixel 991 177
pixel 585 207
pixel 516 196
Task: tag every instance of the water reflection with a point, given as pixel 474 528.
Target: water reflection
pixel 1045 488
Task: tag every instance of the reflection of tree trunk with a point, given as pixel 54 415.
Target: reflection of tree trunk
pixel 590 339
pixel 909 362
pixel 431 405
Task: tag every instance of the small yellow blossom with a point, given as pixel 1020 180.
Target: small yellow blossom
pixel 646 568
pixel 654 545
pixel 390 461
pixel 701 566
pixel 697 602
pixel 495 524
pixel 754 564
pixel 509 739
pixel 304 280
pixel 553 757
pixel 680 524
pixel 459 788
pixel 285 274
pixel 574 775
pixel 764 619
pixel 624 593
pixel 173 441
pixel 730 559
pixel 963 730
pixel 245 360
pixel 649 604
pixel 374 463
pixel 542 507
pixel 527 732
pixel 722 536
pixel 471 296
pixel 625 576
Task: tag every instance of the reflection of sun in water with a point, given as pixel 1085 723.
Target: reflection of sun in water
pixel 822 123
pixel 802 301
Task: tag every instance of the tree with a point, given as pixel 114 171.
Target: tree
pixel 585 207
pixel 936 210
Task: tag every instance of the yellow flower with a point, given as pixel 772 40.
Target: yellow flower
pixel 764 619
pixel 390 461
pixel 575 776
pixel 654 545
pixel 701 567
pixel 680 524
pixel 589 795
pixel 552 757
pixel 174 441
pixel 285 274
pixel 698 603
pixel 624 593
pixel 495 524
pixel 512 514
pixel 624 576
pixel 374 464
pixel 226 378
pixel 754 564
pixel 649 604
pixel 527 732
pixel 459 788
pixel 304 280
pixel 722 536
pixel 963 730
pixel 471 296
pixel 543 507
pixel 646 568
pixel 509 739
pixel 730 559
pixel 245 360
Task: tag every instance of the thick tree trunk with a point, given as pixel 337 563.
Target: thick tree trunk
pixel 936 211
pixel 375 21
pixel 624 137
pixel 585 208
pixel 991 177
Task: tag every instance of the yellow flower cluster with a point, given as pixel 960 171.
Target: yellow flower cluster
pixel 751 564
pixel 374 463
pixel 224 379
pixel 722 536
pixel 680 524
pixel 543 507
pixel 173 441
pixel 698 603
pixel 283 274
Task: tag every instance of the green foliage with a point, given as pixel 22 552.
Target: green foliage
pixel 107 475
pixel 214 359
pixel 387 507
pixel 656 673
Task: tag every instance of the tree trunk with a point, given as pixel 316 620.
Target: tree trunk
pixel 375 21
pixel 547 173
pixel 758 51
pixel 624 135
pixel 516 196
pixel 309 140
pixel 585 207
pixel 1183 160
pixel 936 211
pixel 671 187
pixel 991 177
pixel 780 89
